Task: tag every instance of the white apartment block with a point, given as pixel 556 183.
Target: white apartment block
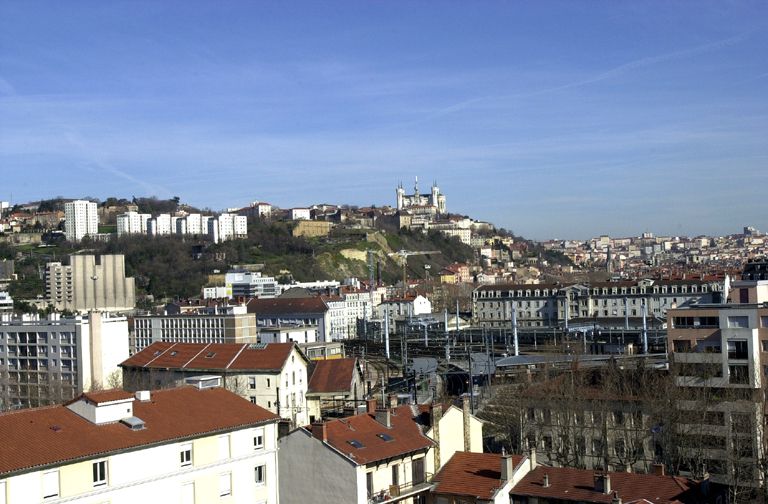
pixel 90 282
pixel 228 226
pixel 81 219
pixel 163 446
pixel 6 302
pixel 160 225
pixel 132 223
pixel 50 360
pixel 300 214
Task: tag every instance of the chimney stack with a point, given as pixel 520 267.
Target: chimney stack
pixel 436 413
pixel 370 406
pixel 532 458
pixel 393 401
pixel 546 480
pixel 658 470
pixel 465 411
pixel 384 417
pixel 616 499
pixel 320 431
pixel 603 483
pixel 507 468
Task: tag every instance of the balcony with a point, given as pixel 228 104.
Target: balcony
pixel 396 493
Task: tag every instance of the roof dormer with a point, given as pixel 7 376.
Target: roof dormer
pixel 107 406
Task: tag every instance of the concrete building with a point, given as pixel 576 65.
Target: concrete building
pixel 6 302
pixel 404 307
pixel 164 445
pixel 51 360
pixel 90 282
pixel 292 312
pixel 250 284
pixel 273 376
pixel 133 223
pixel 81 219
pixel 276 334
pixel 722 351
pixel 160 225
pixel 227 227
pixel 230 325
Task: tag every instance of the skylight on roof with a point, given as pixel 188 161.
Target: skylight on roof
pixel 210 355
pixel 174 353
pixel 385 436
pixel 356 443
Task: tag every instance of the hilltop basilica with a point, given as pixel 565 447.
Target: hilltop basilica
pixel 433 203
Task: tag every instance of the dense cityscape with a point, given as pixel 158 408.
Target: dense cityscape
pixel 356 252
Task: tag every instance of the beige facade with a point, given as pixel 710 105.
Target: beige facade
pixel 312 229
pixel 90 282
pixel 211 328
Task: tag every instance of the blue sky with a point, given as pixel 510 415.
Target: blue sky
pixel 553 119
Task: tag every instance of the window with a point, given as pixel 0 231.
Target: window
pixel 224 446
pixel 738 375
pixel 2 492
pixel 252 399
pixel 268 383
pixel 369 482
pixel 100 473
pixel 185 455
pixel 396 475
pixel 260 474
pixel 738 321
pixel 738 349
pixel 50 484
pixel 764 343
pixel 225 484
pixel 252 382
pixel 258 439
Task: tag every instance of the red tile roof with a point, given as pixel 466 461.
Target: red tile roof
pixel 472 474
pixel 38 437
pixel 212 356
pixel 406 436
pixel 333 375
pixel 578 485
pixel 282 306
pixel 105 396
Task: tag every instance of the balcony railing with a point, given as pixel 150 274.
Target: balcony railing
pixel 399 492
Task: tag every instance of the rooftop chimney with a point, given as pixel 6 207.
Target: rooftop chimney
pixel 142 395
pixel 603 483
pixel 546 481
pixel 370 406
pixel 616 499
pixel 320 431
pixel 532 458
pixel 436 413
pixel 384 417
pixel 465 411
pixel 393 400
pixel 658 469
pixel 507 467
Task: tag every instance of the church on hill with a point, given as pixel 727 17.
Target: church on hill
pixel 434 200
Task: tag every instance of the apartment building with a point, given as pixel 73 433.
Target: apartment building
pixel 249 284
pixel 378 456
pixel 44 361
pixel 555 305
pixel 231 324
pixel 117 447
pixel 273 376
pixel 6 302
pixel 90 282
pixel 720 363
pixel 292 312
pixel 335 384
pixel 81 219
pixel 227 226
pixel 133 223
